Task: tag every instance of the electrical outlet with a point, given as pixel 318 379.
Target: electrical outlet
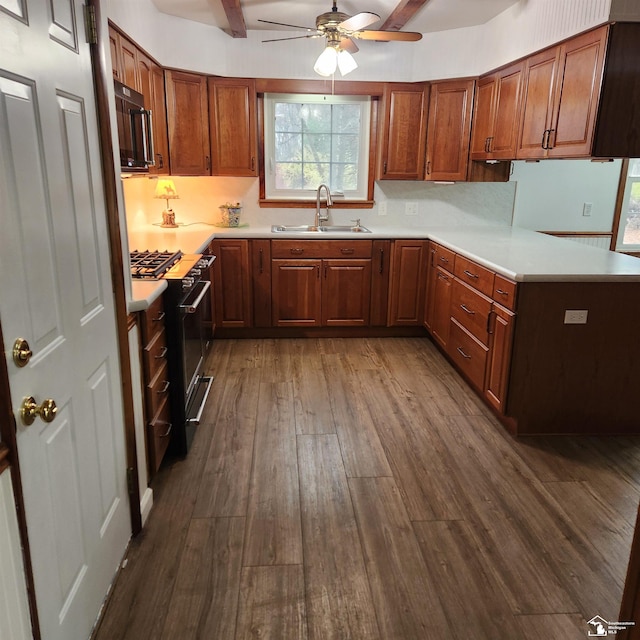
pixel 411 209
pixel 586 208
pixel 382 208
pixel 575 316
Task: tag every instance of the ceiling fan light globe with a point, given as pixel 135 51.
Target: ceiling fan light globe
pixel 346 62
pixel 327 62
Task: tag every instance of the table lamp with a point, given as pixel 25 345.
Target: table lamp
pixel 166 189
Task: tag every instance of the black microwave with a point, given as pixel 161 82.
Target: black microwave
pixel 134 129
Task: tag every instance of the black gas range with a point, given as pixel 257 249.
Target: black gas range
pixel 186 301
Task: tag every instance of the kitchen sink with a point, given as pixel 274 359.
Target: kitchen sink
pixel 281 228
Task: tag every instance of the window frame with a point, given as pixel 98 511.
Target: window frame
pixel 309 201
pixel 624 191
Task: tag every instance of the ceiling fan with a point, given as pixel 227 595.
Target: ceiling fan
pixel 340 29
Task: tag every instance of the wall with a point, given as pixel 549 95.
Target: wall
pixel 436 205
pixel 550 194
pixel 527 26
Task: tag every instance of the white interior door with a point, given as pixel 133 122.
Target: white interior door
pixel 55 291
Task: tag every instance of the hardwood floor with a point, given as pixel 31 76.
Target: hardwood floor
pixel 356 488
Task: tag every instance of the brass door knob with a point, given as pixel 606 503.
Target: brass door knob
pixel 21 352
pixel 30 409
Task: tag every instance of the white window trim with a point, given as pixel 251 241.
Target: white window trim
pixel 620 244
pixel 271 193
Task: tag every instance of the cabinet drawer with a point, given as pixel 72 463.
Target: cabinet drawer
pixel 152 320
pixel 475 275
pixel 504 292
pixel 320 249
pixel 471 309
pixel 469 354
pixel 157 390
pixel 159 431
pixel 442 257
pixel 154 354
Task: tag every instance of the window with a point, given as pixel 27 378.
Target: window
pixel 629 228
pixel 316 139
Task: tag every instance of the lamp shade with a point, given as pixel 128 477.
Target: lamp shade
pixel 327 62
pixel 166 189
pixel 346 62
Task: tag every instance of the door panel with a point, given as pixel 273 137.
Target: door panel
pixel 56 287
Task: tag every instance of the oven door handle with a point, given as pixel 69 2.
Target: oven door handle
pixel 193 306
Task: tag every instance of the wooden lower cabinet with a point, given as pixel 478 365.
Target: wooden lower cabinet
pixel 296 293
pixel 380 267
pixel 156 384
pixel 438 312
pixel 468 354
pixel 407 283
pixel 346 287
pixel 232 284
pixel 261 282
pixel 501 328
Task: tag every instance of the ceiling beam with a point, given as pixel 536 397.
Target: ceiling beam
pixel 405 10
pixel 235 17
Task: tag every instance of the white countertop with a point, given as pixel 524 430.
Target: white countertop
pixel 518 254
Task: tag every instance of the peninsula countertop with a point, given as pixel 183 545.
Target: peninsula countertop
pixel 518 254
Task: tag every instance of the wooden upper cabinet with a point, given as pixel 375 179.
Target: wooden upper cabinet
pixel 114 49
pixel 448 130
pixel 188 123
pixel 562 88
pixel 404 136
pixel 233 126
pixel 124 63
pixel 496 114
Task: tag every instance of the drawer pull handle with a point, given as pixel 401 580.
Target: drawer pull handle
pixel 502 293
pixel 443 259
pixel 346 251
pixel 469 274
pixel 261 251
pixel 296 251
pixel 381 260
pixel 165 388
pixel 463 354
pixel 467 310
pixel 162 354
pixel 443 277
pixel 167 432
pixel 160 317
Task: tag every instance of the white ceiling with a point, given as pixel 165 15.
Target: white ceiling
pixel 436 15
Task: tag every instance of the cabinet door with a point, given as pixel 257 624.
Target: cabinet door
pixel 231 285
pixel 408 277
pixel 232 112
pixel 404 136
pixel 346 290
pixel 506 124
pixel 449 130
pixel 188 123
pixel 114 49
pixel 160 135
pixel 499 358
pixel 129 62
pixel 576 94
pixel 483 117
pixel 380 267
pixel 296 293
pixel 540 73
pixel 261 282
pixel 440 309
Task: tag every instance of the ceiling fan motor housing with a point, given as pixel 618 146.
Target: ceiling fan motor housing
pixel 329 21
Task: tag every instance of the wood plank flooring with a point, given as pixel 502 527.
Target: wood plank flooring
pixel 357 489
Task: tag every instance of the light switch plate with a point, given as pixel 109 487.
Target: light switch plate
pixel 382 208
pixel 575 316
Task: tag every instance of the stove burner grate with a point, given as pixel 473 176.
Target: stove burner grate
pixel 152 264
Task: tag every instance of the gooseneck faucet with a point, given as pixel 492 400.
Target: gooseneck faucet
pixel 322 218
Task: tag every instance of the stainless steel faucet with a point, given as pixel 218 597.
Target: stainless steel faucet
pixel 322 218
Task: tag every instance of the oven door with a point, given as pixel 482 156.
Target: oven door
pixel 194 341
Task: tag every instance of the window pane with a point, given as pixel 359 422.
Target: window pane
pixel 287 116
pixel 316 173
pixel 288 147
pixel 346 118
pixel 634 168
pixel 317 118
pixel 344 178
pixel 317 147
pixel 288 175
pixel 345 148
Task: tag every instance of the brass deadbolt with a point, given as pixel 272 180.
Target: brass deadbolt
pixel 21 352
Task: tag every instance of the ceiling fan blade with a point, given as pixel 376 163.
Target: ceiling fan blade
pixel 347 44
pixel 359 21
pixel 386 36
pixel 310 35
pixel 283 24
